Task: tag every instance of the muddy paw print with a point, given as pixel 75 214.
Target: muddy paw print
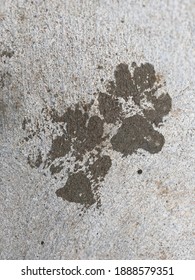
pixel 128 113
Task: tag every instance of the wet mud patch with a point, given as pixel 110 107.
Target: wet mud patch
pixel 77 189
pixel 137 133
pixel 128 117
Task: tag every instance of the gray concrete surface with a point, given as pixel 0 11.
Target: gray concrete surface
pixel 97 129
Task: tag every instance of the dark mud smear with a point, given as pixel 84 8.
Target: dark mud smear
pixel 161 105
pixel 83 133
pixel 7 53
pixel 109 107
pixel 56 169
pixel 60 147
pixel 82 142
pixel 36 160
pixel 5 79
pixel 100 167
pixel 137 133
pixel 77 189
pixel 5 76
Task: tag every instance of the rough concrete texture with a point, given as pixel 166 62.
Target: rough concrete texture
pixel 97 129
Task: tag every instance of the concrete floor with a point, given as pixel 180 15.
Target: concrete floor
pixel 97 127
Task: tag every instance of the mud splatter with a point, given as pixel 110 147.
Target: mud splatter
pixel 128 113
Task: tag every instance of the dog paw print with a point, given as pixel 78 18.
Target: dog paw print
pixel 127 118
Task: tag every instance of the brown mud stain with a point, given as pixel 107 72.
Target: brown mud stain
pixel 82 139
